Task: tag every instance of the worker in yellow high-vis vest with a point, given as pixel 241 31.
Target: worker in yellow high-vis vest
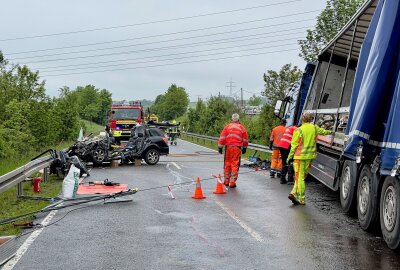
pixel 303 151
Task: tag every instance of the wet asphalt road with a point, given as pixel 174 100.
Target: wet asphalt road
pixel 251 227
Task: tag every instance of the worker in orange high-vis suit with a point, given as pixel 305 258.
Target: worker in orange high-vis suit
pixel 276 159
pixel 235 139
pixel 303 150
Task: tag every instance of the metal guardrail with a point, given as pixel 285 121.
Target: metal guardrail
pixel 18 175
pixel 253 146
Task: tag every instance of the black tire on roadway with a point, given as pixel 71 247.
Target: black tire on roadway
pixel 390 212
pixel 347 187
pixel 367 199
pixel 98 155
pixel 152 156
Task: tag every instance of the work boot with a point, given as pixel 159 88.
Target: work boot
pixel 232 184
pixel 293 199
pixel 283 181
pixel 226 183
pixel 272 174
pixel 278 175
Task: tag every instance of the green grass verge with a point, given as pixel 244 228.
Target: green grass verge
pixel 9 164
pixel 11 206
pixel 90 127
pixel 214 145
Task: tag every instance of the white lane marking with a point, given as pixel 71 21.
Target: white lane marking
pixel 24 248
pixel 242 224
pixel 176 165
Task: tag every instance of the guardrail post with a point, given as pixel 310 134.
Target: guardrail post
pixel 46 174
pixel 20 191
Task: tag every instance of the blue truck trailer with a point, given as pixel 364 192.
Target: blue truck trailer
pixel 355 92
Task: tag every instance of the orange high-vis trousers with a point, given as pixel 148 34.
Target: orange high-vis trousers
pixel 276 160
pixel 232 163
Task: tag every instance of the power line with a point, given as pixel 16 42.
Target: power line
pixel 193 30
pixel 146 23
pixel 113 61
pixel 175 54
pixel 254 93
pixel 169 64
pixel 168 40
pixel 102 55
pixel 158 56
pixel 241 38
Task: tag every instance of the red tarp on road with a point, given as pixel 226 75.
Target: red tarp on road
pixel 84 189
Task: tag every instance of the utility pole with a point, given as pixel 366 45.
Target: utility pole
pixel 198 97
pixel 230 85
pixel 241 97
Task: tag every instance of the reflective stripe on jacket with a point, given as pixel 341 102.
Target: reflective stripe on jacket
pixel 234 134
pixel 287 137
pixel 276 135
pixel 304 141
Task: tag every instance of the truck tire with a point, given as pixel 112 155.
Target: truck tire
pixel 367 199
pixel 347 184
pixel 98 155
pixel 390 212
pixel 152 156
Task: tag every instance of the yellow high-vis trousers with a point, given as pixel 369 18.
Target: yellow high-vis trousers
pixel 301 169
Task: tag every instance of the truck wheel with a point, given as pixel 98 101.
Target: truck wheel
pixel 390 212
pixel 152 156
pixel 98 155
pixel 367 202
pixel 348 182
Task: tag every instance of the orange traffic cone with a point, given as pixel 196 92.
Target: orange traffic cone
pixel 198 192
pixel 219 189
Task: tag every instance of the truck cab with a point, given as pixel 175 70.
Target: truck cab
pixel 124 115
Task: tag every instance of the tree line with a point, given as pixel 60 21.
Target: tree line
pixel 210 117
pixel 172 104
pixel 31 121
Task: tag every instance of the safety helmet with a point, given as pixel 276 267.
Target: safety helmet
pixel 235 117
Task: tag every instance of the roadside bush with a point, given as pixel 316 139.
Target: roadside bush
pixel 31 122
pixel 5 149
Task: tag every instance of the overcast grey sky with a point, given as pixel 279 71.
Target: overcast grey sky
pixel 147 47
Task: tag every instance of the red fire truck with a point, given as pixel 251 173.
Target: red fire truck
pixel 124 115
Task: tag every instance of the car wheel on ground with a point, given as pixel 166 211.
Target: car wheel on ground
pixel 98 155
pixel 152 156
